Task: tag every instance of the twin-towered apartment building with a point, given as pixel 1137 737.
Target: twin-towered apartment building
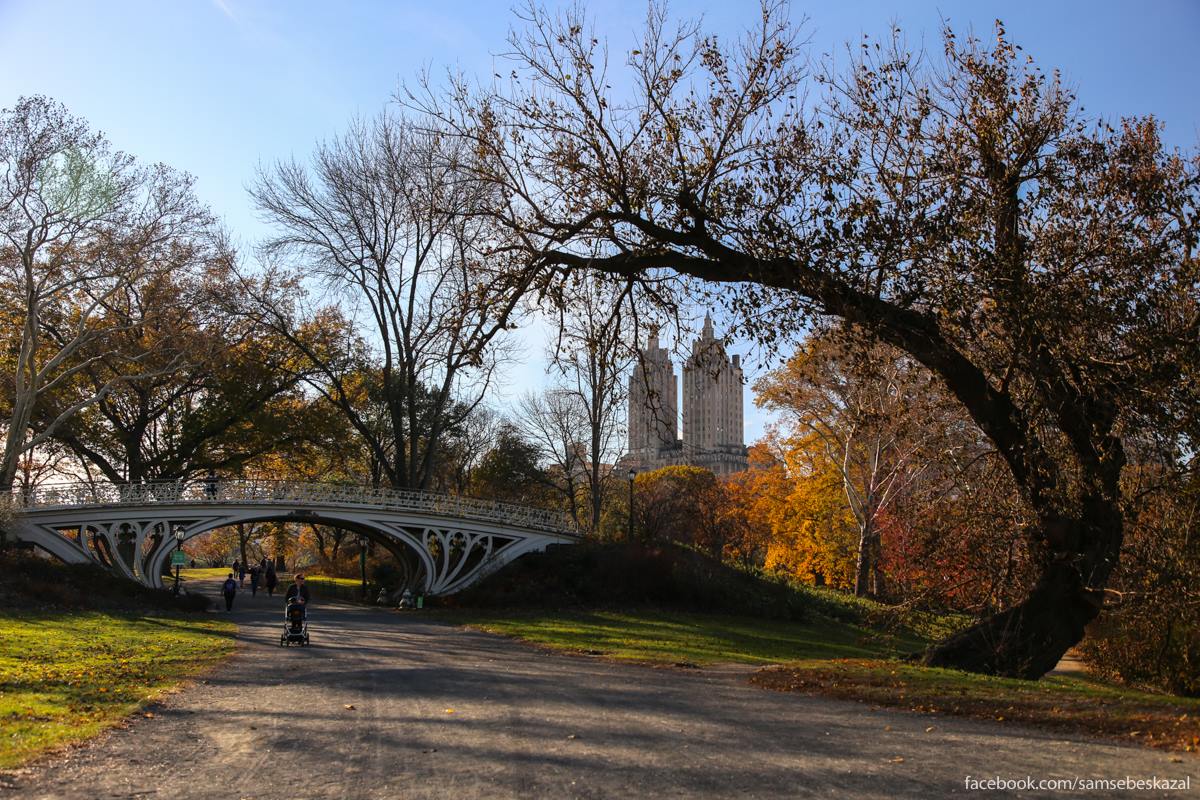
pixel 712 408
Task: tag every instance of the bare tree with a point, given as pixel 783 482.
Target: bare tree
pixel 593 353
pixel 47 464
pixel 555 422
pixel 392 224
pixel 79 224
pixel 469 442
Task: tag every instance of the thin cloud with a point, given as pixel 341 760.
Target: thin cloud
pixel 225 9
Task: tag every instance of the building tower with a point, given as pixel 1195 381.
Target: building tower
pixel 712 406
pixel 653 404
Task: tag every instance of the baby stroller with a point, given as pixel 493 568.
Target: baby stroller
pixel 295 624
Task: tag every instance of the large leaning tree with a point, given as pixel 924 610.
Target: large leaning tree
pixel 1041 264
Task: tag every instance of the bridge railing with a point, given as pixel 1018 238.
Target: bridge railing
pixel 299 492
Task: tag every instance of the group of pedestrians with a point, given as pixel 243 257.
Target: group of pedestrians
pixel 263 572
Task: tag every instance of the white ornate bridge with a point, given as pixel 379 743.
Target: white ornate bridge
pixel 132 529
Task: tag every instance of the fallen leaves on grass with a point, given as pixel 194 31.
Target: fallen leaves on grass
pixel 1157 721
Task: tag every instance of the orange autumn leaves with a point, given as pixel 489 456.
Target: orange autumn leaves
pixel 790 518
pixel 794 516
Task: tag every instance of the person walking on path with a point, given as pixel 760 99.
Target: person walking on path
pixel 229 590
pixel 254 576
pixel 272 580
pixel 242 575
pixel 237 565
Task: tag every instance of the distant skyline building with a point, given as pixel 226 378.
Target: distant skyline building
pixel 653 403
pixel 712 406
pixel 713 424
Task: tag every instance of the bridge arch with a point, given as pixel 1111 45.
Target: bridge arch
pixel 389 538
pixel 456 541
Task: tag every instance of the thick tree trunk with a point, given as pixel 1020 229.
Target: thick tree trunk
pixel 865 566
pixel 595 489
pixel 242 539
pixel 878 582
pixel 279 548
pixel 1029 639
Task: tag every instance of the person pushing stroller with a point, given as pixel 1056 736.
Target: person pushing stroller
pixel 297 590
pixel 295 626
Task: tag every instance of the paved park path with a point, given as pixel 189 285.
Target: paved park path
pixel 385 705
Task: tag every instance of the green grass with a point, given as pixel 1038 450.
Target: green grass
pixel 345 589
pixel 202 573
pixel 333 581
pixel 67 676
pixel 681 637
pixel 321 585
pixel 836 604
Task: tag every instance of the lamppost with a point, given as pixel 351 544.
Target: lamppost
pixel 178 547
pixel 362 562
pixel 632 475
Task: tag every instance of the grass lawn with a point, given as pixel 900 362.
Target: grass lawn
pixel 345 589
pixel 65 676
pixel 326 579
pixel 668 637
pixel 851 661
pixel 202 573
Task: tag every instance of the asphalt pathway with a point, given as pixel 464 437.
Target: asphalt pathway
pixel 390 705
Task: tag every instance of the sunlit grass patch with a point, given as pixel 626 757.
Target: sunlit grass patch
pixel 680 637
pixel 327 579
pixel 66 676
pixel 202 573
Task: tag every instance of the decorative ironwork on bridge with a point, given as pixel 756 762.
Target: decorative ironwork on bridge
pixel 131 529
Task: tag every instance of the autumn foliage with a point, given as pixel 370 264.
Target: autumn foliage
pixel 949 528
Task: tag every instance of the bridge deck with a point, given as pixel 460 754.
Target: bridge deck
pixel 76 495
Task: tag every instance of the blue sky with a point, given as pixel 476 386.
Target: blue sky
pixel 215 86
